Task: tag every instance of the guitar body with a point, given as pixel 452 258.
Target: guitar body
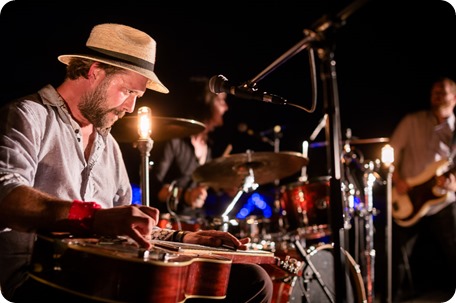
pixel 408 209
pixel 120 272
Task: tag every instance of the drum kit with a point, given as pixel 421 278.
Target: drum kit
pixel 302 225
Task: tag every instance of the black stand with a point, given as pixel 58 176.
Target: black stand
pixel 305 256
pixel 321 36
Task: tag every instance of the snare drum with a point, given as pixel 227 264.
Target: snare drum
pixel 307 207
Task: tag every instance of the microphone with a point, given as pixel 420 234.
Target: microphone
pixel 220 84
pixel 243 128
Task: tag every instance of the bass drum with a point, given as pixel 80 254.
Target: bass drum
pixel 306 287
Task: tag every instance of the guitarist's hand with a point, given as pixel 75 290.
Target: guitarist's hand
pixel 216 238
pixel 446 181
pixel 135 221
pixel 401 186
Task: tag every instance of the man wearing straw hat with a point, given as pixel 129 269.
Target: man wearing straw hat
pixel 62 171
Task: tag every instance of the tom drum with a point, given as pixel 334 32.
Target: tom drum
pixel 307 207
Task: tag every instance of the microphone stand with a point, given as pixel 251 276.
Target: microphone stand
pixel 323 32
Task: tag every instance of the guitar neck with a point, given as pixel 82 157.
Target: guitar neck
pixel 236 256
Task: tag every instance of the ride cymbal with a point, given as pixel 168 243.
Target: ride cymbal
pixel 231 170
pixel 163 128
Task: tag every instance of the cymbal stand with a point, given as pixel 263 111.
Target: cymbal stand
pixel 352 187
pixel 277 135
pixel 247 186
pixel 172 201
pixel 369 252
pixel 317 275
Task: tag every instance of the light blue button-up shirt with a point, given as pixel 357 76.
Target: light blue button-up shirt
pixel 41 146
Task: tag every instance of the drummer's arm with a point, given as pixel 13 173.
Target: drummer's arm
pixel 195 197
pixel 164 193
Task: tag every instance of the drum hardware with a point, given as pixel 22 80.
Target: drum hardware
pixel 302 286
pixel 231 170
pixel 315 273
pixel 362 215
pixel 248 186
pixel 369 253
pixel 360 178
pixel 172 201
pixel 249 170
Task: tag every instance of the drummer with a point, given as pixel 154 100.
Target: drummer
pixel 171 184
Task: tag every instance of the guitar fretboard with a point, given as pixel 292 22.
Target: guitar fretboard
pixel 187 247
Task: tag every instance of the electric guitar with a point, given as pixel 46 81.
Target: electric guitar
pixel 409 208
pixel 116 270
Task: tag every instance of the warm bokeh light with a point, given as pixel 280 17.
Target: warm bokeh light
pixel 144 122
pixel 387 154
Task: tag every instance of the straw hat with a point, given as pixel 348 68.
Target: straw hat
pixel 124 47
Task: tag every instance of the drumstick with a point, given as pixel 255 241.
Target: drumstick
pixel 228 150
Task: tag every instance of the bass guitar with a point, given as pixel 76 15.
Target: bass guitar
pixel 424 194
pixel 116 270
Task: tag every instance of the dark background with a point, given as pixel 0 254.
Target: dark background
pixel 387 54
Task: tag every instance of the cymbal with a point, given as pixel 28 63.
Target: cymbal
pixel 125 130
pixel 231 170
pixel 352 141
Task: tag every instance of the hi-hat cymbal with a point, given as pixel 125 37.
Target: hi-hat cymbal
pixel 231 170
pixel 163 128
pixel 352 141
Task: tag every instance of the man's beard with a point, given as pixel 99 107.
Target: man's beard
pixel 92 107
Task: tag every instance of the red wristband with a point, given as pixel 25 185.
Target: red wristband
pixel 81 214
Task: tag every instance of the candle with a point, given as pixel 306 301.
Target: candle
pixel 387 154
pixel 144 122
pixel 305 148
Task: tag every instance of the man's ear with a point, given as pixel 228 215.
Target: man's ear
pixel 94 71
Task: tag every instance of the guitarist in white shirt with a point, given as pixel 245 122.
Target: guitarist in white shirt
pixel 424 188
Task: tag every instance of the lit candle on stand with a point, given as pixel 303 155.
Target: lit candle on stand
pixel 144 122
pixel 305 151
pixel 388 160
pixel 305 148
pixel 145 144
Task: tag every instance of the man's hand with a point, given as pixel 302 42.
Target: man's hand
pixel 447 182
pixel 216 238
pixel 135 221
